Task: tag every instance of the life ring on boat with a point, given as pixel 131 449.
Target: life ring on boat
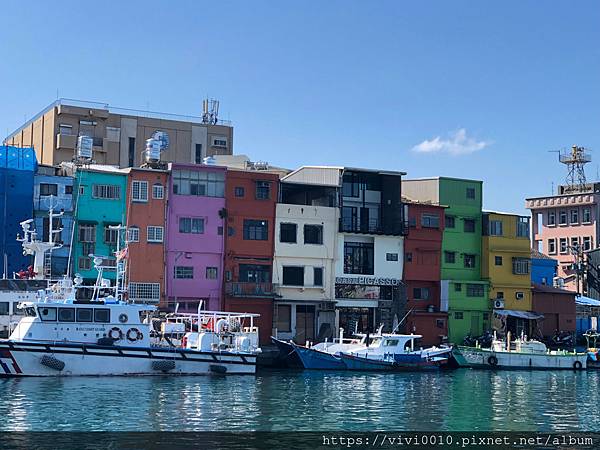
pixel 133 334
pixel 577 365
pixel 492 360
pixel 115 334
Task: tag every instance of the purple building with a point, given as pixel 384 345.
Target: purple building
pixel 195 227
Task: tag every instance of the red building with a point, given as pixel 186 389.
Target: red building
pixel 250 198
pixel 557 306
pixel 146 206
pixel 422 259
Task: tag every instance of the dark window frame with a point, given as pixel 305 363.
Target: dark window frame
pixel 101 310
pixel 62 310
pixel 256 230
pixel 289 282
pixel 78 317
pixel 282 232
pixel 313 231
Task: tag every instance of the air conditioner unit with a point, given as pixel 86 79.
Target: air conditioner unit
pixel 499 303
pixel 520 295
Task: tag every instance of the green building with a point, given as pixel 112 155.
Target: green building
pixel 99 201
pixel 463 293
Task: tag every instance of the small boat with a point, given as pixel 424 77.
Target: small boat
pixel 395 352
pixel 593 352
pixel 518 354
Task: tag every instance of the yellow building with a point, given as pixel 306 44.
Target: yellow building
pixel 506 263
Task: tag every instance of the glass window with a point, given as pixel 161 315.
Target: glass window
pixel 313 234
pixel 498 260
pixel 155 234
pixel 358 258
pixel 391 256
pixel 255 273
pixel 47 314
pixel 471 193
pixel 106 191
pixel 421 293
pixel 139 191
pixel 47 189
pixel 85 314
pixel 469 261
pixel 587 215
pixel 193 225
pixel 350 184
pixel 133 234
pixel 587 243
pixel 449 257
pixel 318 276
pixel 495 228
pixel 458 315
pixel 475 290
pixel 4 308
pixel 574 216
pixel 552 246
pixel 563 245
pixel 87 232
pixel 523 227
pixel 450 221
pixel 551 218
pixel 158 191
pixel 66 314
pixel 184 272
pixel 102 315
pixel 520 266
pixel 287 233
pixel 263 190
pixel 458 287
pixel 191 182
pixel 198 154
pixel 469 225
pixel 212 273
pixel 239 191
pixel 256 230
pixel 562 217
pixel 69 189
pixel 111 236
pixel 430 221
pixel 293 276
pixel 284 318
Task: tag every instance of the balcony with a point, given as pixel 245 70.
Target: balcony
pixel 249 289
pixel 373 226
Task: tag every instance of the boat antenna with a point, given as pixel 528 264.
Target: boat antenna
pixel 402 320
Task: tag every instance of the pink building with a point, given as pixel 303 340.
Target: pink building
pixel 194 245
pixel 563 222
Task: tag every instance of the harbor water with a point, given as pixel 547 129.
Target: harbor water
pixel 457 400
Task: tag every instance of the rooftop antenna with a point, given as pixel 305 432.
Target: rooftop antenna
pixel 210 111
pixel 575 159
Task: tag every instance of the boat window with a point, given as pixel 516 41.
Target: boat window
pixel 66 314
pixel 390 342
pixel 47 314
pixel 28 311
pixel 102 315
pixel 85 314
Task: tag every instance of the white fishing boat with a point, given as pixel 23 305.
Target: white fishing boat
pixel 520 353
pixel 59 335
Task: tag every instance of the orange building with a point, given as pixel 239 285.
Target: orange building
pixel 146 208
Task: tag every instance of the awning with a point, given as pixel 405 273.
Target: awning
pixel 520 314
pixel 586 301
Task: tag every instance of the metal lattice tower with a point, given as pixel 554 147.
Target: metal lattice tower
pixel 575 159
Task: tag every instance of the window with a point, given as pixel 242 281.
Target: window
pixel 131 151
pixel 64 128
pixel 457 287
pixel 471 193
pixel 158 191
pixel 587 243
pixel 87 233
pixel 391 256
pixel 421 293
pixel 574 216
pixel 293 276
pixel 4 307
pixel 133 234
pixel 47 314
pixel 239 191
pixel 458 315
pixel 430 221
pixel 562 217
pixel 263 190
pixel 198 154
pixel 563 245
pixel 552 246
pixel 212 273
pixel 440 323
pixel 139 191
pixel 47 189
pixel 256 230
pixel 102 315
pixel 523 227
pixel 254 273
pixel 495 228
pixel 111 236
pixel 193 225
pixel 469 261
pixel 113 134
pixel 450 221
pixel 449 257
pixel 350 184
pixel 220 230
pixel 587 215
pixel 230 231
pixel 469 225
pixel 575 242
pixel 66 314
pixel 144 292
pixel 56 226
pixel 287 233
pixel 69 189
pixel 498 260
pixel 184 272
pixel 106 191
pixel 85 314
pixel 520 266
pixel 499 294
pixel 155 234
pixel 358 258
pixel 284 318
pixel 474 290
pixel 84 263
pixel 200 183
pixel 317 276
pixel 551 218
pixel 313 234
pixel 219 141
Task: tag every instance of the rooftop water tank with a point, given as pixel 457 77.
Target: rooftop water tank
pixel 153 149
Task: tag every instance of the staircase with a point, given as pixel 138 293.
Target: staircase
pixel 47 264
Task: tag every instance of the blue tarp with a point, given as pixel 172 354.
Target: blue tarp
pixel 17 158
pixel 520 314
pixel 586 301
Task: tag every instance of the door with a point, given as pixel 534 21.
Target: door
pixel 305 323
pixel 475 331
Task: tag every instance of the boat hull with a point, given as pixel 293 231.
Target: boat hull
pixel 487 359
pixel 400 363
pixel 287 354
pixel 45 359
pixel 317 360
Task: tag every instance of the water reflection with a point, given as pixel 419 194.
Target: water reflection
pixel 280 400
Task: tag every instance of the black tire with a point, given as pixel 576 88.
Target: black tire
pixel 577 365
pixel 492 360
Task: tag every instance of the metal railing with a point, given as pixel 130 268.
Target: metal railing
pixel 249 289
pixel 372 226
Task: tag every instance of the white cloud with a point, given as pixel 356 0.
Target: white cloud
pixel 458 143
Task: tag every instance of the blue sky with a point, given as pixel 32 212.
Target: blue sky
pixel 458 88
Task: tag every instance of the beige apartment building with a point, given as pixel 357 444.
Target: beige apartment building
pixel 119 134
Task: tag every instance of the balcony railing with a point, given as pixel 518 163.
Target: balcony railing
pixel 372 226
pixel 249 289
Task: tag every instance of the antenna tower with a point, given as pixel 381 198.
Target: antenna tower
pixel 575 159
pixel 210 111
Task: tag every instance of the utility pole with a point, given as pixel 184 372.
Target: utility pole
pixel 579 267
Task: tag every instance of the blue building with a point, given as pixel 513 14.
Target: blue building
pixel 17 168
pixel 52 190
pixel 543 268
